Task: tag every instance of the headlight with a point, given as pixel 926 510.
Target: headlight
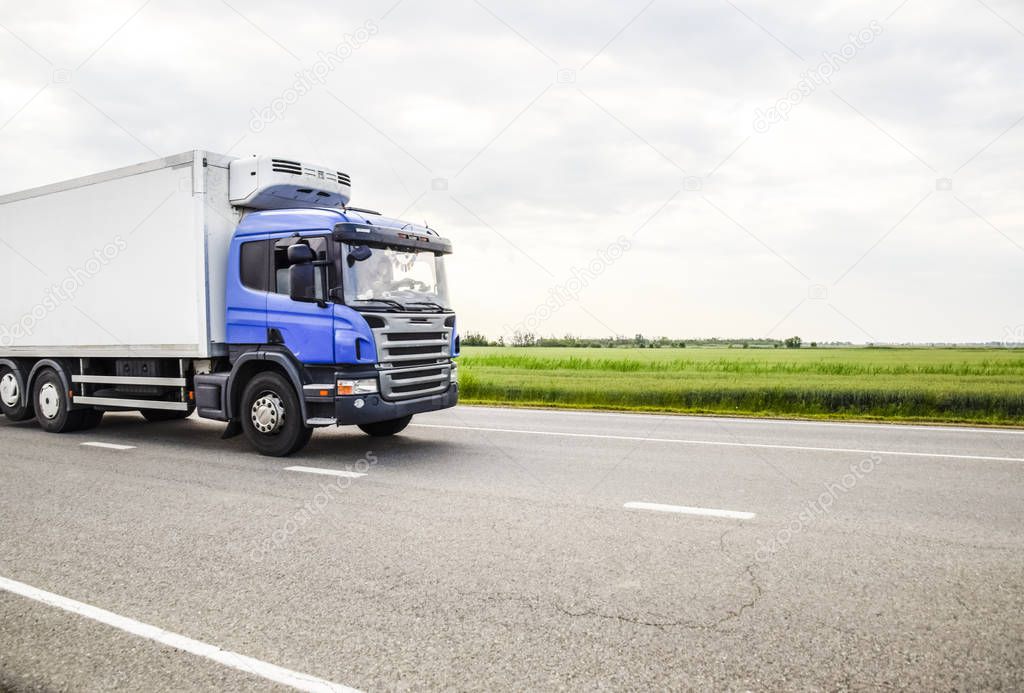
pixel 455 373
pixel 357 387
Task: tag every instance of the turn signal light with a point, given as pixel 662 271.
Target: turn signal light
pixel 357 387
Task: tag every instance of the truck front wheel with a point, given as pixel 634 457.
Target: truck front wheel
pixel 381 429
pixel 271 416
pixel 15 403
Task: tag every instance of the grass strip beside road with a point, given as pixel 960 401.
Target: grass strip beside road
pixel 976 386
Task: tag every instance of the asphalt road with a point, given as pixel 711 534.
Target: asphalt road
pixel 493 549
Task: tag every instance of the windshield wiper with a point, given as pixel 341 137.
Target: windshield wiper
pixel 385 301
pixel 429 304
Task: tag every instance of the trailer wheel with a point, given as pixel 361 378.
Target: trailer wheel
pixel 271 416
pixel 52 404
pixel 381 429
pixel 15 401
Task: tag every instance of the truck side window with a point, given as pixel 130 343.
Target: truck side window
pixel 280 278
pixel 253 265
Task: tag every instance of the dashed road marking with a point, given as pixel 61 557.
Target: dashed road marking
pixel 109 446
pixel 686 510
pixel 256 667
pixel 328 472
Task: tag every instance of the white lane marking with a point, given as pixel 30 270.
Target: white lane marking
pixel 763 420
pixel 328 472
pixel 686 510
pixel 109 446
pixel 271 672
pixel 727 444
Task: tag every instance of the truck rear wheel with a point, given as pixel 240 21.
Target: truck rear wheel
pixel 271 416
pixel 15 400
pixel 53 406
pixel 381 429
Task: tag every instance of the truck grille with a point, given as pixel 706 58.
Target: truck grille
pixel 414 353
pixel 409 383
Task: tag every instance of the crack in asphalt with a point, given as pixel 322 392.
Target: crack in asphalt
pixel 751 578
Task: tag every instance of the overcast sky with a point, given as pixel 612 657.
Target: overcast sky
pixel 838 170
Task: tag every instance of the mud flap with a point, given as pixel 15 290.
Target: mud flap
pixel 234 428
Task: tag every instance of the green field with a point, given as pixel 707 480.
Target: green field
pixel 905 384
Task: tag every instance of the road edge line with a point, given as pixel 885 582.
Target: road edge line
pixel 248 665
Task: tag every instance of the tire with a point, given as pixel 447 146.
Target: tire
pixel 52 405
pixel 272 417
pixel 158 415
pixel 15 401
pixel 381 429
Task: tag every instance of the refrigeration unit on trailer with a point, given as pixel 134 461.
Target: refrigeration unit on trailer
pixel 244 289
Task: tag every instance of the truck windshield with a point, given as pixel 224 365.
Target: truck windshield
pixel 403 279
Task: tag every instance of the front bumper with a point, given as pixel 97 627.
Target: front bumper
pixel 397 393
pixel 328 410
pixel 375 409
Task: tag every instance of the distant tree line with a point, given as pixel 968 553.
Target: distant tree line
pixel 529 339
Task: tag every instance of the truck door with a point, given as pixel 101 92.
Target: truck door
pixel 306 328
pixel 246 301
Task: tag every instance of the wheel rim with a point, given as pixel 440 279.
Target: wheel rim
pixel 49 401
pixel 267 413
pixel 9 392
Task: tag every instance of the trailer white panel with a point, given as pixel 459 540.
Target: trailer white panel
pixel 128 263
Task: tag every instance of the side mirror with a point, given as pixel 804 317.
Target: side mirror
pixel 358 254
pixel 302 280
pixel 300 253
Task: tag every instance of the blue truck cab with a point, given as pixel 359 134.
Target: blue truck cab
pixel 348 308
